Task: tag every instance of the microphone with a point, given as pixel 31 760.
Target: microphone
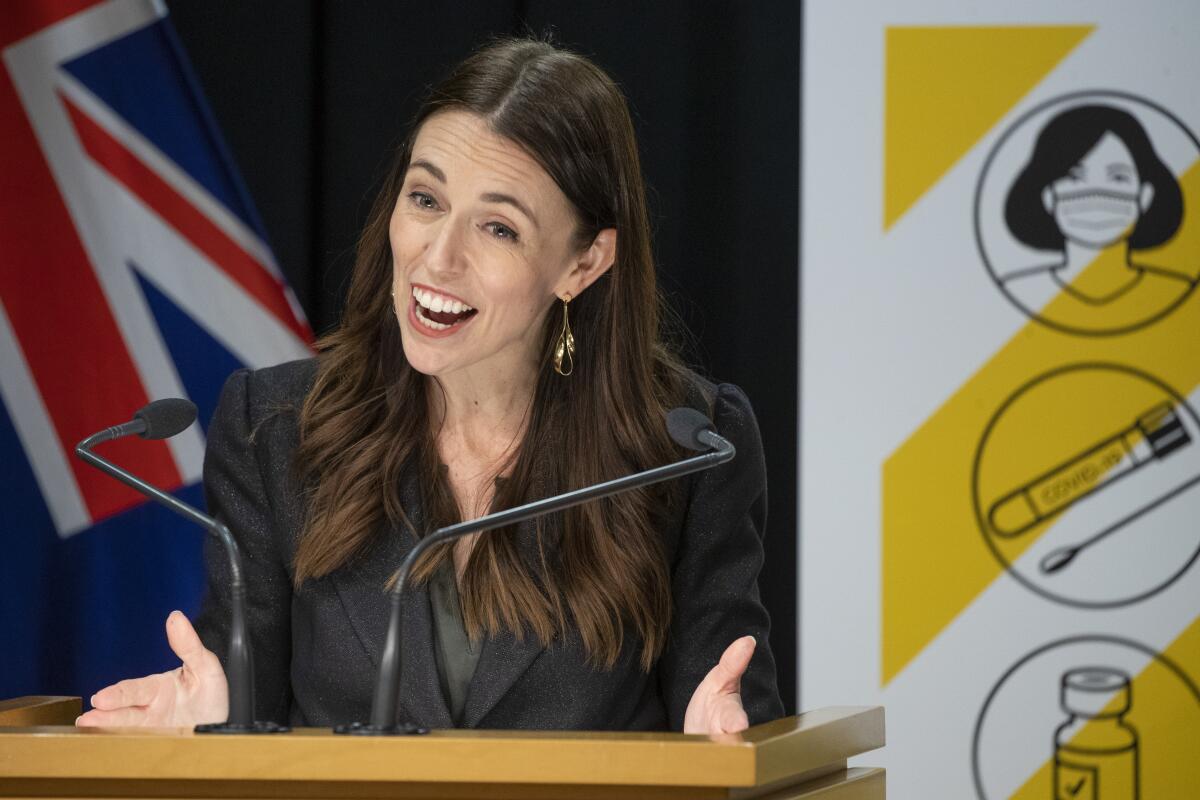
pixel 163 419
pixel 691 429
pixel 688 427
pixel 160 419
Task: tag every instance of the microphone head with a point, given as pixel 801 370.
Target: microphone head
pixel 685 425
pixel 165 418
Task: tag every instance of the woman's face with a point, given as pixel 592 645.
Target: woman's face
pixel 1098 202
pixel 482 242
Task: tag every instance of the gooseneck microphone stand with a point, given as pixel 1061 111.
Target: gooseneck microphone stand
pixel 688 427
pixel 163 419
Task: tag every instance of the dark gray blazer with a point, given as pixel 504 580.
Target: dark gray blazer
pixel 317 650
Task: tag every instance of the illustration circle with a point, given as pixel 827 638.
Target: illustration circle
pixel 1081 213
pixel 1083 472
pixel 1093 716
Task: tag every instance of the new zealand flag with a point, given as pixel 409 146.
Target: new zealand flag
pixel 132 267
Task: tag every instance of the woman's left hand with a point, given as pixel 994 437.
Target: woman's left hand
pixel 716 705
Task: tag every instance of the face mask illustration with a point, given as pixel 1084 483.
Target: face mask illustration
pixel 1095 217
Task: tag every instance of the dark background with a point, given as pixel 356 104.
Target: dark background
pixel 313 96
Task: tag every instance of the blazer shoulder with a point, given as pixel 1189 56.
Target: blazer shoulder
pixel 252 398
pixel 281 386
pixel 722 402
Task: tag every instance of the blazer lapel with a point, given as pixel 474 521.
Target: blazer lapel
pixel 361 587
pixel 505 658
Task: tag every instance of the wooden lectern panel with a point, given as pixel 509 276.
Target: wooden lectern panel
pixel 789 759
pixel 24 712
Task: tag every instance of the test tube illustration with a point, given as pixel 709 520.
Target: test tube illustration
pixel 1152 436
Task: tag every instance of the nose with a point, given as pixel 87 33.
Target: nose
pixel 445 251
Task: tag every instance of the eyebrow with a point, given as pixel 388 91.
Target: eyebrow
pixel 487 197
pixel 497 197
pixel 428 167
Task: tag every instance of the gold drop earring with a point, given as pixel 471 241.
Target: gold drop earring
pixel 564 349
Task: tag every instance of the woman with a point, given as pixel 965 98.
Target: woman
pixel 1096 193
pixel 500 343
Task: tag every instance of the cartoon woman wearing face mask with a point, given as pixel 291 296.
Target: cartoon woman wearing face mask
pixel 1096 193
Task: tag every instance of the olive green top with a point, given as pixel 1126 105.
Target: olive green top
pixel 457 655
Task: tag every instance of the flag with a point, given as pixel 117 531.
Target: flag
pixel 132 267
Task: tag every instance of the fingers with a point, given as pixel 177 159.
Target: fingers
pixel 131 692
pixel 716 704
pixel 186 644
pixel 121 717
pixel 734 661
pixel 732 717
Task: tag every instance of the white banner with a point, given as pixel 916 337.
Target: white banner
pixel 1000 412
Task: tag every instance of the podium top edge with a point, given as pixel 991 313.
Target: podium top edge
pixel 35 701
pixel 806 724
pixel 755 757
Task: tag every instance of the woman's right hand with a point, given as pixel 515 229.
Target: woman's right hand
pixel 192 694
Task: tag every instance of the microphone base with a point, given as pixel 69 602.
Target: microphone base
pixel 241 727
pixel 371 729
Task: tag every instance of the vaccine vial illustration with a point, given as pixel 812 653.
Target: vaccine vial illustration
pixel 1095 749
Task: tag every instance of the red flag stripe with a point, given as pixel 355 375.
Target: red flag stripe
pixel 184 217
pixel 75 351
pixel 25 19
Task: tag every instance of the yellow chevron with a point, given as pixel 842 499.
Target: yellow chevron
pixel 935 561
pixel 1167 720
pixel 946 87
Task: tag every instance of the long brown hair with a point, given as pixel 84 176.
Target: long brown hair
pixel 600 567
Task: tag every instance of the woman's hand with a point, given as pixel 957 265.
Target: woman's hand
pixel 716 705
pixel 192 694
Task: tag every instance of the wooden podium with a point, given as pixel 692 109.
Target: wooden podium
pixel 42 755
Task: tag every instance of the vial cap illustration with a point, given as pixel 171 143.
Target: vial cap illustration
pixel 1095 692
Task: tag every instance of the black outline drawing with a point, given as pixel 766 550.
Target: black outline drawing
pixel 1065 100
pixel 1101 681
pixel 1098 638
pixel 1160 430
pixel 1061 557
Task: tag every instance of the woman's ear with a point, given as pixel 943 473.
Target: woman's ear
pixel 590 264
pixel 1048 200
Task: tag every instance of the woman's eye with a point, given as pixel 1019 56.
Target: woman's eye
pixel 501 231
pixel 422 200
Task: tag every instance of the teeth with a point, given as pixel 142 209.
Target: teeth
pixel 437 303
pixel 437 326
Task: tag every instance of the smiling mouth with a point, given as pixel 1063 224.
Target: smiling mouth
pixel 439 312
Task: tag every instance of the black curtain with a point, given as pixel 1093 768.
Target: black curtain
pixel 312 98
